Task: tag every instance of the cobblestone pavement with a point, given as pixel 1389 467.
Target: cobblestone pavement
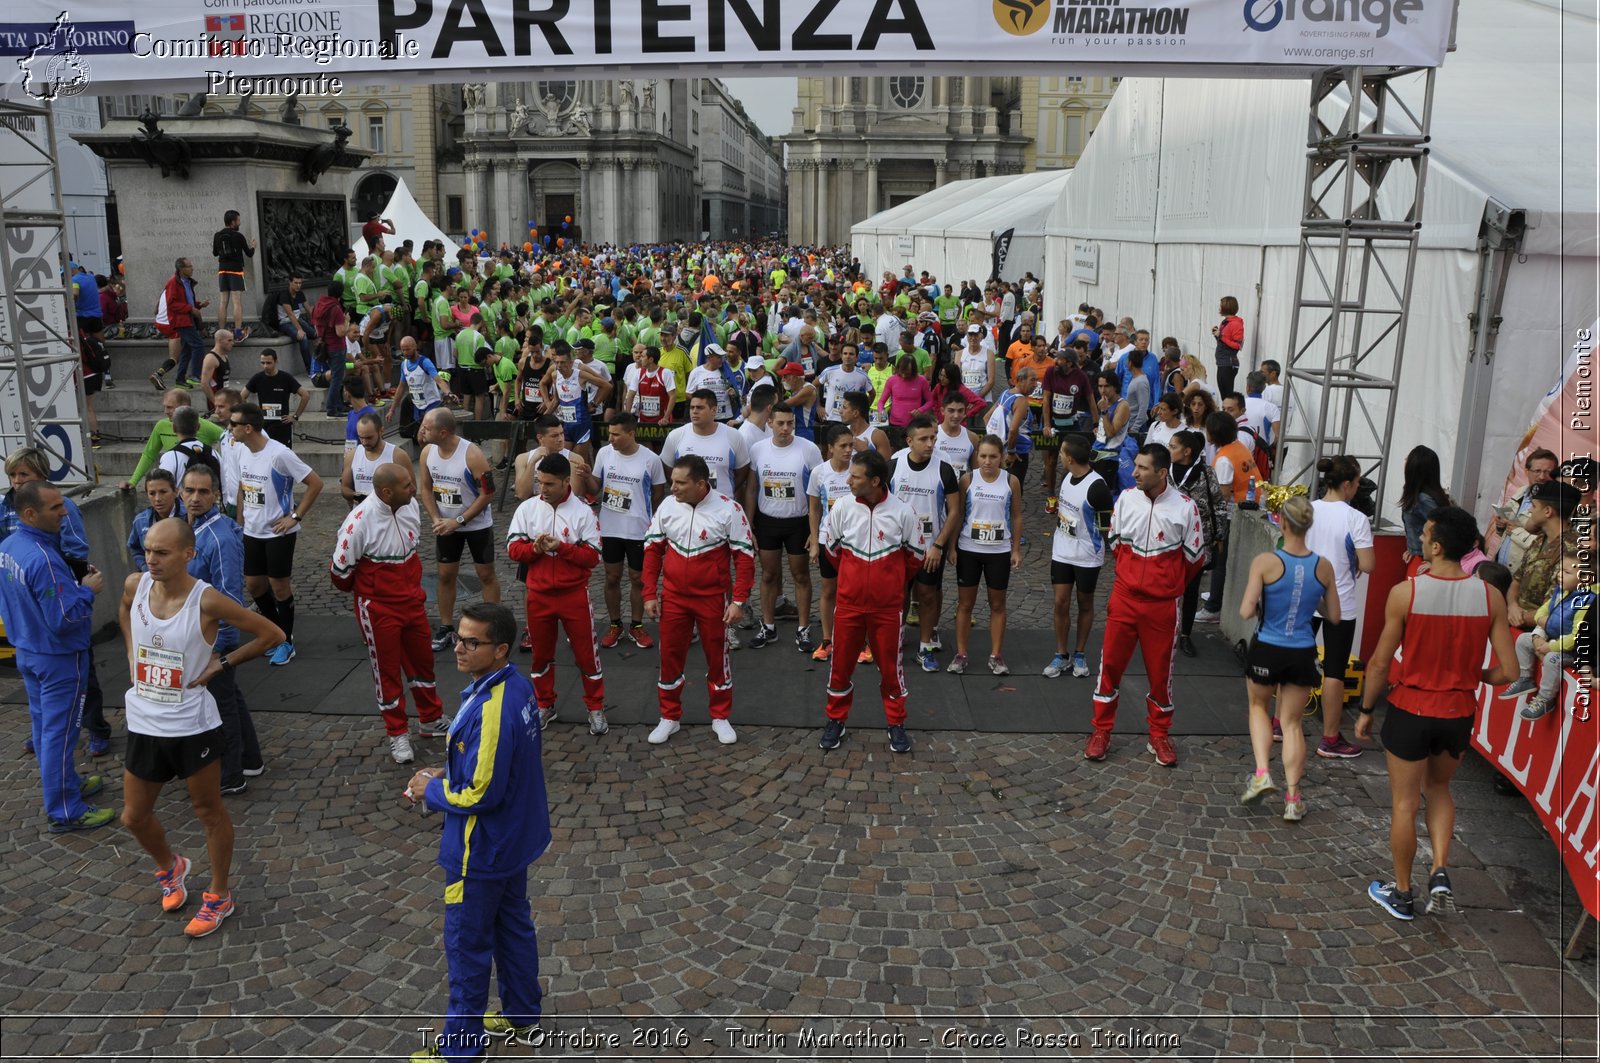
pixel 975 900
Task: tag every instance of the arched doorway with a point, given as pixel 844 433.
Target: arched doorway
pixel 554 194
pixel 372 195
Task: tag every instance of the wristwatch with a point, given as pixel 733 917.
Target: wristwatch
pixel 296 517
pixel 227 665
pixel 461 518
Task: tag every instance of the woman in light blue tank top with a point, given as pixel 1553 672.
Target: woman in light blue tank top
pixel 1286 589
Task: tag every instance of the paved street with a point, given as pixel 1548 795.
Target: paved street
pixel 974 900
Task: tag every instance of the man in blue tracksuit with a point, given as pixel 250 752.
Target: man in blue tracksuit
pixel 48 616
pixel 219 560
pixel 497 823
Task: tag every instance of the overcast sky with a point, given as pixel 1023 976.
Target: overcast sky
pixel 770 101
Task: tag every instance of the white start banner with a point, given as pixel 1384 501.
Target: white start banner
pixel 224 46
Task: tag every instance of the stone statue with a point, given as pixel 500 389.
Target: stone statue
pixel 518 119
pixel 650 96
pixel 579 121
pixel 627 95
pixel 159 148
pixel 194 107
pixel 317 161
pixel 289 113
pixel 472 95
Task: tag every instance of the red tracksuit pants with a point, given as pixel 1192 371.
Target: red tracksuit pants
pixel 1152 625
pixel 401 650
pixel 880 629
pixel 680 618
pixel 575 612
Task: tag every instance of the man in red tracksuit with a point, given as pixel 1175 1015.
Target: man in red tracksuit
pixel 875 542
pixel 1155 534
pixel 557 536
pixel 376 557
pixel 691 539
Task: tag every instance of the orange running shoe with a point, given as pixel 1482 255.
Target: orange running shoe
pixel 173 894
pixel 213 910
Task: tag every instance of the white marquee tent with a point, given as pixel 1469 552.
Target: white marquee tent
pixel 1191 189
pixel 951 229
pixel 410 223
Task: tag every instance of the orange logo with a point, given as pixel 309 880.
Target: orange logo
pixel 1021 17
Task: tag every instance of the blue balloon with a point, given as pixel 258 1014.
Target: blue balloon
pixel 531 225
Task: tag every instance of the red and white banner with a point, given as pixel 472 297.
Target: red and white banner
pixel 1555 762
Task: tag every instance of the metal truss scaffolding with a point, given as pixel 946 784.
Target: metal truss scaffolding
pixel 41 387
pixel 1366 168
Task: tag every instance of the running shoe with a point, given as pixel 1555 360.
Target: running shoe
pixel 1058 664
pixel 158 381
pixel 281 655
pixel 1186 646
pixel 438 727
pixel 1336 748
pixel 400 749
pixel 526 645
pixel 1388 897
pixel 547 716
pixel 1207 616
pixel 832 735
pixel 1080 667
pixel 99 747
pixel 865 656
pixel 641 638
pixel 1050 504
pixel 89 785
pixel 997 665
pixel 929 662
pixel 1294 809
pixel 764 634
pixel 597 722
pixel 1165 752
pixel 913 615
pixel 937 643
pixel 184 385
pixel 1259 786
pixel 445 639
pixel 613 635
pixel 251 773
pixel 1536 707
pixel 1441 900
pixel 663 731
pixel 231 789
pixel 1519 687
pixel 1277 730
pixel 1098 745
pixel 823 652
pixel 958 665
pixel 803 640
pixel 724 732
pixel 784 609
pixel 497 1025
pixel 110 385
pixel 899 741
pixel 174 895
pixel 94 817
pixel 213 910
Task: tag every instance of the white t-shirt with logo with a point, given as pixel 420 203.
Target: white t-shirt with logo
pixel 626 502
pixel 266 481
pixel 783 475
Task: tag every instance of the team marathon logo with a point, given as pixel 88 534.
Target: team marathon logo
pixel 1094 18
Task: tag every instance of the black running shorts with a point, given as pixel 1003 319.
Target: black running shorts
pixel 480 542
pixel 614 550
pixel 1268 665
pixel 273 558
pixel 157 758
pixel 788 534
pixel 1337 639
pixel 991 569
pixel 1084 577
pixel 1412 737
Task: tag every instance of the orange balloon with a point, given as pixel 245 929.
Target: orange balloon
pixel 586 262
pixel 561 241
pixel 527 247
pixel 568 219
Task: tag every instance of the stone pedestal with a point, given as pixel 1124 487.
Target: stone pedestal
pixel 214 164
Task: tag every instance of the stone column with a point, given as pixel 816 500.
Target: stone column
pixel 830 100
pixel 796 180
pixel 939 169
pixel 509 223
pixel 824 220
pixel 848 176
pixel 619 173
pixel 969 102
pixel 474 202
pixel 872 183
pixel 584 215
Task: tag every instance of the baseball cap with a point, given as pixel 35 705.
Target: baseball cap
pixel 709 349
pixel 792 369
pixel 1562 497
pixel 974 330
pixel 608 322
pixel 586 343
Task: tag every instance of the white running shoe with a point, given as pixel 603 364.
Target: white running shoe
pixel 400 749
pixel 724 732
pixel 664 730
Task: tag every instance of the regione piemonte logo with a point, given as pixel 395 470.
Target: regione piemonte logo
pixel 1020 18
pixel 225 35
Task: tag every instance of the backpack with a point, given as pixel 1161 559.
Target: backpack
pixel 1258 453
pixel 198 453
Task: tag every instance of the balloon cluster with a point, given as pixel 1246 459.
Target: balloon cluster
pixel 477 240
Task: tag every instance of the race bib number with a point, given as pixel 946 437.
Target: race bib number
pixel 617 500
pixel 447 497
pixel 272 411
pixel 778 490
pixel 974 378
pixel 650 405
pixel 567 414
pixel 531 392
pixel 158 674
pixel 927 526
pixel 986 532
pixel 1061 405
pixel 255 496
pixel 1038 392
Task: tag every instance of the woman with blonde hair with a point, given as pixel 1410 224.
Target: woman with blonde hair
pixel 1194 371
pixel 1287 588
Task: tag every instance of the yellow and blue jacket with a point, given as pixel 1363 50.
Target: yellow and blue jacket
pixel 497 814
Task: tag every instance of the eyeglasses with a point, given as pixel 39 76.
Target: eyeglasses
pixel 474 645
pixel 237 424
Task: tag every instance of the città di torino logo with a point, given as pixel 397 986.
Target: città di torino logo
pixel 1264 16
